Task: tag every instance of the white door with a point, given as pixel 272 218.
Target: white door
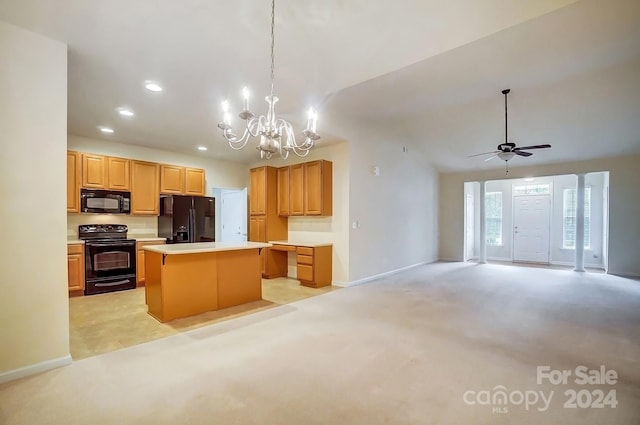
pixel 531 221
pixel 233 212
pixel 469 228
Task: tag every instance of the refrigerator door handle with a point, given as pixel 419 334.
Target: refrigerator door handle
pixel 192 225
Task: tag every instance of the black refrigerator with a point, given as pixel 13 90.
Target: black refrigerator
pixel 185 219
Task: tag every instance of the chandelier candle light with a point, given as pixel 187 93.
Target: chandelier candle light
pixel 276 134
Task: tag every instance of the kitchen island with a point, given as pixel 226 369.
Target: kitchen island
pixel 187 279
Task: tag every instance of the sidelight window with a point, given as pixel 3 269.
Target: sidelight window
pixel 569 217
pixel 493 204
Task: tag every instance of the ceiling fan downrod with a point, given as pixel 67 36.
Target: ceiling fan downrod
pixel 505 92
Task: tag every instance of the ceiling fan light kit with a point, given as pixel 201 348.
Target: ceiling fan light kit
pixel 507 150
pixel 276 134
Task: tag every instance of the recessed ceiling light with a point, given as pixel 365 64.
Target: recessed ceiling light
pixel 153 86
pixel 105 129
pixel 125 112
pixel 202 148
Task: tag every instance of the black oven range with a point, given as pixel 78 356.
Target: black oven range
pixel 110 258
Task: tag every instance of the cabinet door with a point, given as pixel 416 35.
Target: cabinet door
pixel 257 229
pixel 74 175
pixel 140 267
pixel 145 188
pixel 318 191
pixel 257 191
pixel 75 267
pixel 171 179
pixel 283 191
pixel 94 171
pixel 296 190
pixel 118 174
pixel 194 182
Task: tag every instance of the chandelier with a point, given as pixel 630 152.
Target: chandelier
pixel 276 134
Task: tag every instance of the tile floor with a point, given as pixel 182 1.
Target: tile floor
pixel 108 322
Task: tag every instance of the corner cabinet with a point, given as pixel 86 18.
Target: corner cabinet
pixel 145 188
pixel 75 268
pixel 74 177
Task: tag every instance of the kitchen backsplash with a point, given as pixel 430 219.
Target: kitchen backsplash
pixel 138 226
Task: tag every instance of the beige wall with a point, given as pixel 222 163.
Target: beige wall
pixel 624 206
pixel 34 312
pixel 334 229
pixel 219 174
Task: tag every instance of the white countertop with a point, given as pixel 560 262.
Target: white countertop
pixel 74 241
pixel 149 239
pixel 200 247
pixel 301 243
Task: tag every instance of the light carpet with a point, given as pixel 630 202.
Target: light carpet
pixel 406 349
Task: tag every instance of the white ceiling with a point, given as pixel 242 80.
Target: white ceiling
pixel 418 64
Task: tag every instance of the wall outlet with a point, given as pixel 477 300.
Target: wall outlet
pixel 355 225
pixel 375 170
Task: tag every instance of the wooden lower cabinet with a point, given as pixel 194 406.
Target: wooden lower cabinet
pixel 314 265
pixel 75 268
pixel 140 273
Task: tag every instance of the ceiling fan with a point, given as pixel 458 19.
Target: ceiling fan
pixel 507 150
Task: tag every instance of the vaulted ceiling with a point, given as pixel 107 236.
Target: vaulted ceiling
pixel 431 71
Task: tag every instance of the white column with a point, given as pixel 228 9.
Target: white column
pixel 483 224
pixel 579 267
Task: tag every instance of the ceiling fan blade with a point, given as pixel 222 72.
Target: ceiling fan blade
pixel 491 157
pixel 532 147
pixel 483 153
pixel 522 153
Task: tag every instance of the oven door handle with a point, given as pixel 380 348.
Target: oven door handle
pixel 109 244
pixel 120 282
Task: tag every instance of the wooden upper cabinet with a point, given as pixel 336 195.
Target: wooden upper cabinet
pixel 74 176
pixel 296 190
pixel 171 179
pixel 145 188
pixel 118 174
pixel 318 188
pixel 258 191
pixel 94 171
pixel 283 191
pixel 182 180
pixel 104 172
pixel 194 181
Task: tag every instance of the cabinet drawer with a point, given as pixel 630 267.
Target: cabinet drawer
pixel 283 248
pixel 74 249
pixel 304 250
pixel 305 259
pixel 305 272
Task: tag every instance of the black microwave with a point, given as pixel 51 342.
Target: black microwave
pixel 105 201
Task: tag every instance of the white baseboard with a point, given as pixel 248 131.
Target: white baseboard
pixel 450 260
pixel 378 276
pixel 22 372
pixel 629 275
pixel 571 264
pixel 499 259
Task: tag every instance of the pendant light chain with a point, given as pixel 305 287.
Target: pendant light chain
pixel 273 14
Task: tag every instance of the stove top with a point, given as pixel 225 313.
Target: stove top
pixel 102 232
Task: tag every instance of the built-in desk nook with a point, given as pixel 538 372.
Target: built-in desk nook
pixel 313 261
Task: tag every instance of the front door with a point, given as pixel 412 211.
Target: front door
pixel 531 221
